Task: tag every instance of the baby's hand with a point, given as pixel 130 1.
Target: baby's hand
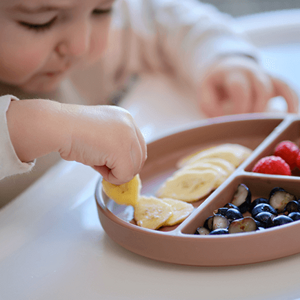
pixel 238 84
pixel 105 138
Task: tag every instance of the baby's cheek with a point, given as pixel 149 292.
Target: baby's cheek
pixel 17 65
pixel 98 42
pixel 31 60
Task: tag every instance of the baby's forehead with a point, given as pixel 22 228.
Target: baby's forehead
pixel 38 4
pixel 49 4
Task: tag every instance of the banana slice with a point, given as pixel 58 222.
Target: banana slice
pixel 233 153
pixel 181 210
pixel 189 185
pixel 151 212
pixel 227 166
pixel 200 166
pixel 124 194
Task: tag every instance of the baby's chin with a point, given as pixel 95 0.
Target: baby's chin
pixel 40 88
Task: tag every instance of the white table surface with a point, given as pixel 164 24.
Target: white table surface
pixel 53 246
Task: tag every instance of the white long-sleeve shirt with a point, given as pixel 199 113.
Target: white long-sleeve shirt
pixel 175 37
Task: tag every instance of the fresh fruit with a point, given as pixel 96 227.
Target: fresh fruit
pixel 279 198
pixel 288 151
pixel 200 166
pixel 257 201
pixel 285 209
pixel 233 214
pixel 189 186
pixel 281 220
pixel 219 231
pixel 124 194
pixel 180 211
pixel 242 198
pixel 292 206
pixel 233 153
pixel 272 165
pixel 294 215
pixel 265 219
pixel 202 231
pixel 263 207
pixel 228 167
pixel 151 212
pixel 242 225
pixel 215 222
pixel 298 161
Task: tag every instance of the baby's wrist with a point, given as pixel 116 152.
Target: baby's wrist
pixel 34 128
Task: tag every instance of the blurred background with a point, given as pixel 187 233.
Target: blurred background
pixel 244 7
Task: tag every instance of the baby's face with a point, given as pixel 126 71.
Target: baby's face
pixel 41 40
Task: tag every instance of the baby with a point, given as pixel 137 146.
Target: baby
pixel 50 48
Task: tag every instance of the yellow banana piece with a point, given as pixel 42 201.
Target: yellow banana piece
pixel 180 211
pixel 234 153
pixel 227 166
pixel 200 166
pixel 124 194
pixel 189 186
pixel 151 212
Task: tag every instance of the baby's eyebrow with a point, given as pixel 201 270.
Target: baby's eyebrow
pixel 34 10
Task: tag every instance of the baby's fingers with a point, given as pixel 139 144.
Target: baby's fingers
pixel 262 90
pixel 143 148
pixel 209 100
pixel 238 92
pixel 284 90
pixel 128 163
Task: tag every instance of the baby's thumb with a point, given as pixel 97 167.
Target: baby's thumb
pixel 284 90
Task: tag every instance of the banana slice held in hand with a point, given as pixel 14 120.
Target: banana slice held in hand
pixel 124 194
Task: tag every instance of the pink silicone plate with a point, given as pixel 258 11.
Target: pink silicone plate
pixel 178 244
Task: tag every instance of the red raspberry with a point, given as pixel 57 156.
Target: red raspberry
pixel 298 161
pixel 272 165
pixel 288 151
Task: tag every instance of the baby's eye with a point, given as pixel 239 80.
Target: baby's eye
pixel 38 27
pixel 99 12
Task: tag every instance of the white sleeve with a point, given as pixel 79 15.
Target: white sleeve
pixel 179 36
pixel 9 162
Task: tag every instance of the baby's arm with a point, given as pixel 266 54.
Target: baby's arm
pixel 103 137
pixel 238 84
pixel 194 41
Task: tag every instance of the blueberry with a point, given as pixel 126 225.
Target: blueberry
pixel 242 225
pixel 292 206
pixel 222 211
pixel 294 215
pixel 258 201
pixel 216 221
pixel 219 231
pixel 230 205
pixel 260 228
pixel 208 223
pixel 259 224
pixel 275 190
pixel 242 198
pixel 281 220
pixel 233 214
pixel 202 231
pixel 279 199
pixel 219 221
pixel 265 219
pixel 262 207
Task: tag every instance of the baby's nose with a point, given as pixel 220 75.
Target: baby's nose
pixel 76 40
